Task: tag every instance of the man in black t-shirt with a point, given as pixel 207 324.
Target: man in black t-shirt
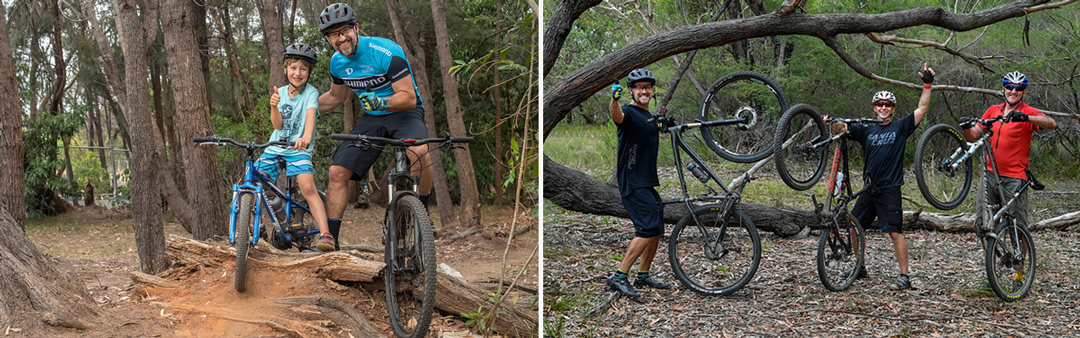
pixel 883 151
pixel 636 173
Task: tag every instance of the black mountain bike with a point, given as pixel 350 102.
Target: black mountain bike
pixel 409 237
pixel 943 169
pixel 715 249
pixel 800 161
pixel 747 95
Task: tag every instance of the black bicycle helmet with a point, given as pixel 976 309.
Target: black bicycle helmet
pixel 640 74
pixel 336 15
pixel 301 51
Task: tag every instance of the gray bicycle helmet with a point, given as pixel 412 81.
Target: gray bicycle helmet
pixel 640 74
pixel 336 15
pixel 301 51
pixel 1015 78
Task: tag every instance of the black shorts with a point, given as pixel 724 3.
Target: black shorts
pixel 885 206
pixel 646 210
pixel 402 124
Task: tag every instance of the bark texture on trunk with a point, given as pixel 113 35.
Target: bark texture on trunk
pixel 12 181
pixel 145 157
pixel 270 15
pixel 204 184
pixel 470 197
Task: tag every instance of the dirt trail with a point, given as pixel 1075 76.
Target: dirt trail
pixel 96 248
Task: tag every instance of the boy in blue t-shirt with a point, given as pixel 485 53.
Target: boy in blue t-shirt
pixel 293 109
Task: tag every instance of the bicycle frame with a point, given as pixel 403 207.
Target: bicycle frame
pixel 960 155
pixel 731 194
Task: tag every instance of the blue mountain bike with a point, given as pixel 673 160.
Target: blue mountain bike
pixel 249 201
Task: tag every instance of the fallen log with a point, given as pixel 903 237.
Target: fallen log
pixel 455 297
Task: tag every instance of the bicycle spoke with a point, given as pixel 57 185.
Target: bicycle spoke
pixel 743 94
pixel 1010 262
pixel 798 162
pixel 840 253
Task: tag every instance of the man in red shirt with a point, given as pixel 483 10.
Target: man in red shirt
pixel 1011 143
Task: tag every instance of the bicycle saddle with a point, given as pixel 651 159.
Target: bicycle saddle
pixel 1035 184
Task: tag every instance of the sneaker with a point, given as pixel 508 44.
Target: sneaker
pixel 860 273
pixel 902 283
pixel 325 243
pixel 622 285
pixel 650 282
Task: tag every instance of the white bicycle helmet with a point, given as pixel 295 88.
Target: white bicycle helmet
pixel 1014 78
pixel 884 95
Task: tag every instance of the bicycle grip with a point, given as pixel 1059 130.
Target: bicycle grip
pixel 343 137
pixel 200 139
pixel 465 139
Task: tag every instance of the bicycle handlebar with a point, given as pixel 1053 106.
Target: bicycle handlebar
pixel 860 120
pixel 400 142
pixel 218 140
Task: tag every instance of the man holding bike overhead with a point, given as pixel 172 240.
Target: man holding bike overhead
pixel 1011 143
pixel 883 151
pixel 376 70
pixel 636 171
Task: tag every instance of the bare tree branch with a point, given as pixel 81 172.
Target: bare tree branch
pixel 887 39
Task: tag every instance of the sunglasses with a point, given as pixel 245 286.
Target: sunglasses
pixel 337 33
pixel 1013 87
pixel 883 104
pixel 643 87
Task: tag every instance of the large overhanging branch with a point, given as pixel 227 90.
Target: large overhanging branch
pixel 858 68
pixel 893 39
pixel 577 86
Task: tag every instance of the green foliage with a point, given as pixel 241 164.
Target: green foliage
pixel 43 144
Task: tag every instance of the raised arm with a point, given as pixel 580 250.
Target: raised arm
pixel 927 75
pixel 613 107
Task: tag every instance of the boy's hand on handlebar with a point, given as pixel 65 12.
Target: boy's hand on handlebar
pixel 616 92
pixel 274 96
pixel 302 143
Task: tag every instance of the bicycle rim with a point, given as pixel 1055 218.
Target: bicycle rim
pixel 798 164
pixel 943 186
pixel 713 267
pixel 840 253
pixel 410 265
pixel 242 240
pixel 1010 262
pixel 742 94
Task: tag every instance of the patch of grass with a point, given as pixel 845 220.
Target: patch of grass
pixel 589 148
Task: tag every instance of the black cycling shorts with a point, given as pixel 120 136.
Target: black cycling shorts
pixel 646 211
pixel 885 206
pixel 398 125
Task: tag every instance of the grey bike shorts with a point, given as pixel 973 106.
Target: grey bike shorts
pixel 646 211
pixel 402 124
pixel 884 206
pixel 988 195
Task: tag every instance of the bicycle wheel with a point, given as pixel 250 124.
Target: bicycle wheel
pixel 714 256
pixel 840 253
pixel 742 94
pixel 242 240
pixel 1010 261
pixel 941 184
pixel 410 268
pixel 798 163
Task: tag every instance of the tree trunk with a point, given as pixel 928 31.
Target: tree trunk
pixel 33 289
pixel 292 24
pixel 470 198
pixel 35 46
pixel 202 38
pixel 155 91
pixel 12 181
pixel 496 97
pixel 99 132
pixel 275 47
pixel 420 66
pixel 146 200
pixel 557 28
pixel 204 184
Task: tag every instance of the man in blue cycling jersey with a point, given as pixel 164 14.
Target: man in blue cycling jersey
pixel 376 70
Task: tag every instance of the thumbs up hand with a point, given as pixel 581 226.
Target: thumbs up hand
pixel 274 96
